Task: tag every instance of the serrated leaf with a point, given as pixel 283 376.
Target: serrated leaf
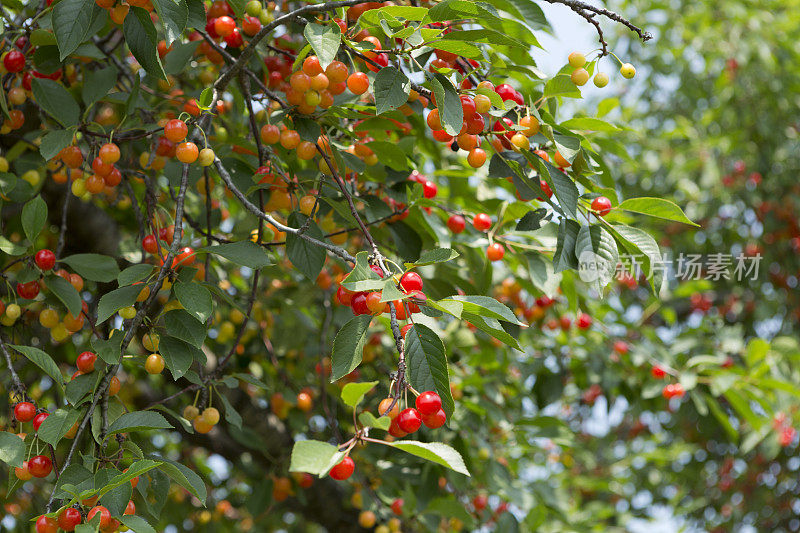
pixel 391 88
pixel 426 364
pixel 138 421
pixel 590 124
pixel 43 361
pixel 65 292
pixel 325 40
pixel 113 301
pixel 80 386
pixel 93 267
pixel 12 449
pixel 71 21
pixel 97 84
pixel 597 255
pixel 245 253
pixel 353 393
pixel 109 350
pixel 53 142
pixel 532 220
pixel 185 477
pixel 134 273
pixel 57 424
pixel 644 250
pixel 231 415
pixel 656 207
pixel 482 306
pixel 391 155
pixel 436 452
pixel 142 40
pixel 137 524
pixel 182 325
pixel 173 15
pixel 56 101
pixel 348 346
pixel 448 102
pixel 34 216
pixel 314 457
pixel 564 256
pixel 437 255
pixel 367 419
pixel 308 258
pixel 178 354
pixel 195 299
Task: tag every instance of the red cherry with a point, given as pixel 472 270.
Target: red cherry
pixel 395 431
pixel 456 223
pixel 428 403
pixel 584 321
pixel 429 189
pixel 411 281
pixel 435 420
pixel 545 188
pixel 495 251
pixel 658 372
pixel 378 270
pixel 45 524
pixel 224 25
pixel 105 517
pixel 409 420
pixel 40 466
pixel 359 304
pixel 38 419
pixel 468 106
pixel 24 411
pixel 344 296
pixel 601 206
pixel 250 26
pixel 14 61
pixel 397 506
pixel 480 502
pixel 506 91
pixel 29 290
pixel 344 469
pixel 69 518
pixel 149 244
pixel 482 222
pixel 85 362
pixel 45 259
pixel 234 40
pixel 621 347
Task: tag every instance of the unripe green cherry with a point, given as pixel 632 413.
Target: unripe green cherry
pixel 601 79
pixel 627 70
pixel 580 76
pixel 266 17
pixel 206 157
pixel 577 59
pixel 253 8
pixel 127 312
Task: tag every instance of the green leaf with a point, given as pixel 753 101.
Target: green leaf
pixel 644 250
pixel 79 386
pixel 532 220
pixel 173 15
pixel 138 421
pixel 136 469
pixel 436 452
pixel 451 112
pixel 178 354
pixel 43 361
pixel 367 419
pixel 482 35
pixel 135 523
pixel 391 88
pixel 56 101
pixel 492 327
pixel 34 216
pixel 353 393
pixel 561 85
pixel 182 325
pixel 597 255
pixel 12 449
pixel 57 424
pixel 348 346
pixel 113 301
pixel 391 155
pixel 245 253
pixel 314 457
pixel 565 257
pixel 71 22
pixel 54 141
pixel 567 146
pixel 325 41
pixel 11 248
pixel 109 350
pixel 437 255
pixel 93 267
pixel 97 84
pixel 142 40
pixel 590 124
pixel 485 306
pixel 134 273
pixel 177 58
pixel 426 364
pixel 185 477
pixel 308 258
pixel 656 207
pixel 195 299
pixel 65 292
pixel 563 187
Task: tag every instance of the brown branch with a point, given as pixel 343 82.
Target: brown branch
pixel 582 8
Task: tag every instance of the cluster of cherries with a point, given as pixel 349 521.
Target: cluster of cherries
pixel 202 422
pixel 70 517
pixel 38 465
pixel 369 302
pixel 428 411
